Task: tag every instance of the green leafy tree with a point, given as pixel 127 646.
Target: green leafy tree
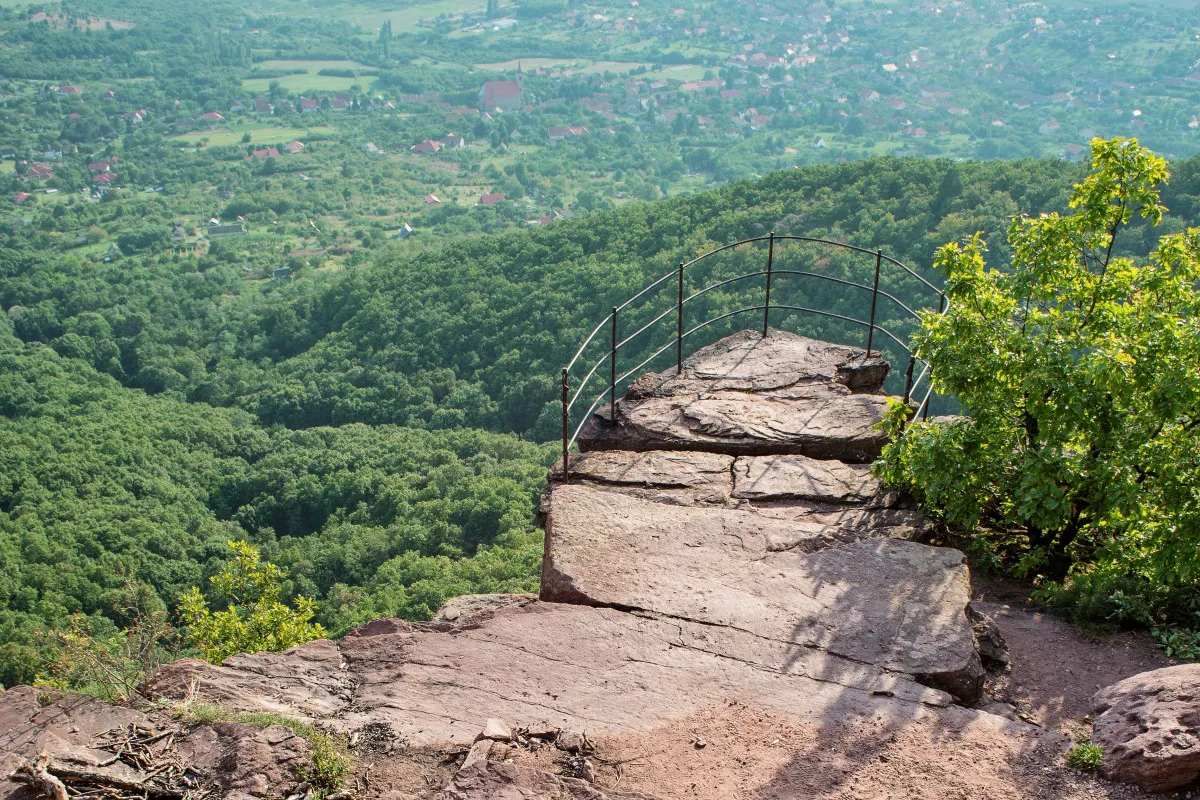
pixel 1078 373
pixel 255 619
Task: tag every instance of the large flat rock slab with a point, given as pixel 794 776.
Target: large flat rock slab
pixel 892 604
pixel 747 361
pixel 713 478
pixel 1149 728
pixel 666 475
pixel 754 395
pixel 794 477
pixel 820 421
pixel 546 665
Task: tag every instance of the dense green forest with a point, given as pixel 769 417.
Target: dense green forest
pixel 375 432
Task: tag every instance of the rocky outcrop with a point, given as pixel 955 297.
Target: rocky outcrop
pixel 729 599
pixel 91 746
pixel 754 395
pixel 895 605
pixel 1149 728
pixel 552 666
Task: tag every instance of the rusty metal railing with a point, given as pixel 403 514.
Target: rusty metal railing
pixel 912 384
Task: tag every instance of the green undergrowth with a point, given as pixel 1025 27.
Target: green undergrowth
pixel 1085 756
pixel 329 754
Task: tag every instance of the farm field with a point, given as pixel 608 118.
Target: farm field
pixel 405 19
pixel 312 65
pixel 258 135
pixel 310 82
pixel 682 72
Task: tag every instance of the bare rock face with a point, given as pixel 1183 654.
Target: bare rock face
pixel 793 477
pixel 84 739
pixel 669 475
pixel 754 395
pixel 494 780
pixel 822 422
pixel 897 605
pixel 1149 728
pixel 749 362
pixel 550 666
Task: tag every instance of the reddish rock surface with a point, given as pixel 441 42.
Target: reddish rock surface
pixel 754 395
pixel 896 605
pixel 1149 728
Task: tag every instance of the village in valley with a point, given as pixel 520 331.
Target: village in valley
pixel 452 116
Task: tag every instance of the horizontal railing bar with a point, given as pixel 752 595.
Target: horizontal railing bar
pixel 587 378
pixel 584 419
pixel 725 282
pixel 911 271
pixel 647 326
pixel 670 274
pixel 921 377
pixel 586 342
pixel 656 354
pixel 833 242
pixel 924 403
pixel 845 282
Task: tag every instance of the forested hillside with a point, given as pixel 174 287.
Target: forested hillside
pixel 374 430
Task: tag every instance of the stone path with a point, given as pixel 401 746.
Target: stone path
pixel 733 495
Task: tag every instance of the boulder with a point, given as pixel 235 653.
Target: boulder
pixel 895 605
pixel 1149 728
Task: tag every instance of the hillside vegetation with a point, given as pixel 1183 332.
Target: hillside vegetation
pixel 375 431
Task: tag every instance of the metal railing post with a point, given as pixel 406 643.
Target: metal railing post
pixel 942 303
pixel 908 379
pixel 770 264
pixel 874 299
pixel 566 424
pixel 612 366
pixel 679 325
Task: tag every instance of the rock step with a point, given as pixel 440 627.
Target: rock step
pixel 753 395
pixel 715 478
pixel 895 605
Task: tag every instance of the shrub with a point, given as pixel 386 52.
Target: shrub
pixel 255 619
pixel 86 658
pixel 1085 756
pixel 1077 369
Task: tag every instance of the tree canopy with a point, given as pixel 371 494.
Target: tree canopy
pixel 1079 448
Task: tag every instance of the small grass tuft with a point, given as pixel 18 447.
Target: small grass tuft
pixel 329 753
pixel 1085 756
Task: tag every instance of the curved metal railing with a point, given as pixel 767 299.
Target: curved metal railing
pixel 912 384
